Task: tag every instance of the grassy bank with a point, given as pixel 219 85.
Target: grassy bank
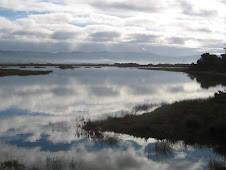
pixel 174 69
pixel 200 121
pixel 12 72
pixel 185 70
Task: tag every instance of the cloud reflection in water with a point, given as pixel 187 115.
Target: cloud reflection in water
pixel 33 102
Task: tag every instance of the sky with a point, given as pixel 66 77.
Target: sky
pixel 165 27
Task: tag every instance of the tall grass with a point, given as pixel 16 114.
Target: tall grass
pixel 51 163
pixel 76 127
pixel 59 126
pixel 143 107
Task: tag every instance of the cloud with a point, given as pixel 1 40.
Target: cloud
pixel 142 38
pixel 103 91
pixel 200 29
pixel 104 36
pixel 63 35
pixel 177 40
pixel 29 34
pixel 118 25
pixel 30 45
pixel 188 9
pixel 147 6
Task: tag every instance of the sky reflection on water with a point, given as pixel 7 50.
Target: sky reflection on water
pixel 96 91
pixel 29 104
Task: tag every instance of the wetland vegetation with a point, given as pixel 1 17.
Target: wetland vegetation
pixel 199 122
pixel 17 72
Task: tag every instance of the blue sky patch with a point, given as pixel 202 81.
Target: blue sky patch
pixel 86 24
pixel 19 112
pixel 57 3
pixel 13 15
pixel 80 25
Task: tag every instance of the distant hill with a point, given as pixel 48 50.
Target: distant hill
pixel 91 57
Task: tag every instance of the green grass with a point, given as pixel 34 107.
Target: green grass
pixel 200 121
pixel 13 72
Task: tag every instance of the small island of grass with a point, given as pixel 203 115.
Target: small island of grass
pixel 17 72
pixel 200 121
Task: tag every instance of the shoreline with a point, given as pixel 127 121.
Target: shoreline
pixel 184 70
pixel 173 69
pixel 94 64
pixel 159 67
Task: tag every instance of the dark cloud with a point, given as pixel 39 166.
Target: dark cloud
pixel 138 90
pixel 213 46
pixel 150 7
pixel 142 38
pixel 204 30
pixel 91 47
pixel 62 91
pixel 104 36
pixel 4 30
pixel 177 40
pixel 132 47
pixel 10 34
pixel 48 46
pixel 189 10
pixel 18 45
pixel 171 51
pixel 103 91
pixel 202 13
pixel 176 89
pixel 30 34
pixel 63 35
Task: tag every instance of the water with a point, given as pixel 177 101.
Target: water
pixel 39 117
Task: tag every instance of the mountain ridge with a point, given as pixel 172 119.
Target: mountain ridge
pixel 87 57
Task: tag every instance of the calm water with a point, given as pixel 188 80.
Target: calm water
pixel 39 118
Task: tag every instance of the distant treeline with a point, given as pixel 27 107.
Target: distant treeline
pixel 149 65
pixel 210 62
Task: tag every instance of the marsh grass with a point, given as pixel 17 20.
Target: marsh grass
pixel 59 126
pixel 161 148
pixel 12 72
pixel 195 122
pixel 12 164
pixel 51 163
pixel 55 163
pixel 143 107
pixel 76 125
pixel 111 139
pixel 174 69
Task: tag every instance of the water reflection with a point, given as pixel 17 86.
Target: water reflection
pixel 130 153
pixel 160 150
pixel 207 80
pixel 96 91
pixel 40 118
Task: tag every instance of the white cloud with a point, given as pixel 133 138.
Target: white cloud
pixel 180 24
